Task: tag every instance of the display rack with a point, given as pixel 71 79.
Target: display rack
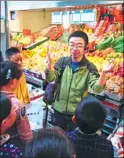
pixel 114 109
pixel 33 78
pixel 35 44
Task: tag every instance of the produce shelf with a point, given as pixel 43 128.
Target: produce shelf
pixel 109 126
pixel 35 44
pixel 103 130
pixel 114 96
pixel 36 75
pixel 108 119
pixel 33 78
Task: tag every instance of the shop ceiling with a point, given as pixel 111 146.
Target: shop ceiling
pixel 55 5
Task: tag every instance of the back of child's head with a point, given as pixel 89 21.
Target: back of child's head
pixel 50 142
pixel 5 106
pixel 90 115
pixel 9 70
pixel 12 51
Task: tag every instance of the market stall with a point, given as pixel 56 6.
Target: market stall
pixel 105 32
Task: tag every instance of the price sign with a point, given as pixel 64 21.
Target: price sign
pixel 76 16
pixel 88 16
pixel 57 18
pixel 66 17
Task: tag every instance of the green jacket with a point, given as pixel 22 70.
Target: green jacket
pixel 73 85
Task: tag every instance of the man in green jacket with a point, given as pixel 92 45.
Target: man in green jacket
pixel 78 76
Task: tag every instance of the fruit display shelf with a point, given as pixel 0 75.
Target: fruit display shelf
pixel 33 74
pixel 114 110
pixel 113 96
pixel 34 78
pixel 32 46
pixel 36 59
pixel 114 84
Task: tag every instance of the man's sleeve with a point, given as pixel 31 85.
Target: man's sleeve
pixel 52 75
pixel 23 125
pixel 93 79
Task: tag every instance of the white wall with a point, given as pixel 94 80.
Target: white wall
pixel 3 44
pixel 34 20
pixel 2 28
pixel 17 25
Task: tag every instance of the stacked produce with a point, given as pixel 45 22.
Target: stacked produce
pixel 35 63
pixel 118 44
pixel 27 54
pixel 105 43
pixel 53 32
pixel 81 27
pixel 104 33
pixel 109 44
pixel 27 40
pixel 115 85
pixel 115 79
pixel 76 27
pixel 47 30
pixel 106 40
pixel 35 59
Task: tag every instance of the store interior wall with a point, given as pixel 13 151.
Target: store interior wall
pixel 17 24
pixel 33 20
pixel 2 28
pixel 3 44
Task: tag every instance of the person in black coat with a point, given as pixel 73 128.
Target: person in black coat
pixel 1 56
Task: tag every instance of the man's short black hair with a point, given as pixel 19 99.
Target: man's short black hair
pixel 11 51
pixel 80 34
pixel 90 115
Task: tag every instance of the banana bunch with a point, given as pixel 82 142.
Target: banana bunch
pixel 105 43
pixel 28 54
pixel 118 44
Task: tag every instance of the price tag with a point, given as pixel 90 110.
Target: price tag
pixel 65 17
pixel 57 18
pixel 76 16
pixel 88 16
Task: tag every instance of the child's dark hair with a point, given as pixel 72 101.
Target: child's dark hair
pixel 5 106
pixel 50 142
pixel 80 34
pixel 90 115
pixel 12 51
pixel 9 70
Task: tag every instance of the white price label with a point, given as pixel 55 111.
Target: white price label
pixel 88 17
pixel 56 18
pixel 65 18
pixel 76 17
